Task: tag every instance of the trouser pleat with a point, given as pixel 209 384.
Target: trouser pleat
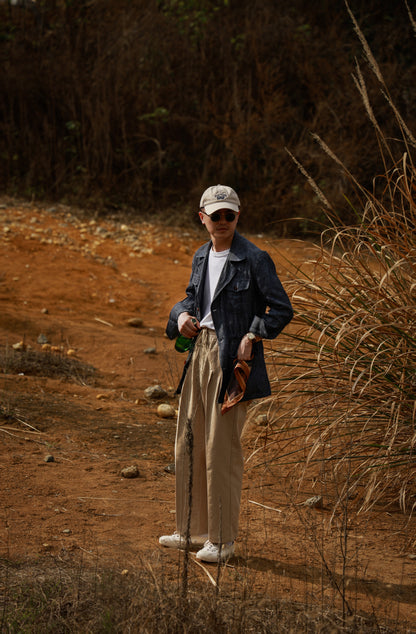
pixel 216 457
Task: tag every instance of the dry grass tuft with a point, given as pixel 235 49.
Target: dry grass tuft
pixel 61 598
pixel 347 378
pixel 46 364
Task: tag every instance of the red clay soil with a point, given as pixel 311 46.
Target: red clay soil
pixel 65 437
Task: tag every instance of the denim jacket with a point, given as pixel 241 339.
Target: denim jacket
pixel 249 298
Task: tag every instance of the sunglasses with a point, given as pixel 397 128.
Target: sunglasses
pixel 230 216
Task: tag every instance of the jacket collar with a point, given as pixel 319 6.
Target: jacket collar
pixel 237 249
pixel 237 253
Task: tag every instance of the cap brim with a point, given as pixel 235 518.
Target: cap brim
pixel 210 209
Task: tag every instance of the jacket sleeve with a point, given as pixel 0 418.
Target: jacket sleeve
pixel 277 309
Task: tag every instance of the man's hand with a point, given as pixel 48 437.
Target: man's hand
pixel 245 349
pixel 188 325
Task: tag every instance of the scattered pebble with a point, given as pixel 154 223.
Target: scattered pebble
pixel 315 502
pixel 135 322
pixel 262 419
pixel 101 396
pixel 150 351
pixel 166 411
pixel 155 392
pixel 42 339
pixel 130 472
pixel 49 458
pixel 170 468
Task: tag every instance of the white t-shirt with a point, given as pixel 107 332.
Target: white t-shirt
pixel 216 262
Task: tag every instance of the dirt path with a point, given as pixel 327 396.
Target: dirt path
pixel 74 285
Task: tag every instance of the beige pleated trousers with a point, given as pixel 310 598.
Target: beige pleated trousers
pixel 211 443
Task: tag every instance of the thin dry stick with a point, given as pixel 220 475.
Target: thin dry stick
pixel 21 431
pixel 270 508
pixel 27 425
pixel 4 430
pixel 311 181
pixel 209 575
pixel 190 449
pixel 411 18
pixel 106 323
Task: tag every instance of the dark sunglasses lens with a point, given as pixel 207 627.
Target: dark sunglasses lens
pixel 215 217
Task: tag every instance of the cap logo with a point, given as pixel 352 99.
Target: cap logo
pixel 221 195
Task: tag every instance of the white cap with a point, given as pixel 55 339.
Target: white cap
pixel 219 197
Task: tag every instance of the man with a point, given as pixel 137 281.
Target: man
pixel 234 300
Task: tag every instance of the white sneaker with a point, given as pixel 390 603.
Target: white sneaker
pixel 211 552
pixel 172 541
pixel 177 541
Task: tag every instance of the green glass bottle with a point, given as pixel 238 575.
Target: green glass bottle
pixel 184 344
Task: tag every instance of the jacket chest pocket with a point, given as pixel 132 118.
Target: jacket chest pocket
pixel 239 285
pixel 237 293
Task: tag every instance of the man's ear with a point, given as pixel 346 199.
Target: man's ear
pixel 202 217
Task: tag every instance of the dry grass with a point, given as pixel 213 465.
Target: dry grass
pixel 63 598
pixel 347 377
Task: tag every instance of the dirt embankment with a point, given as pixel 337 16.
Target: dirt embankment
pixel 74 414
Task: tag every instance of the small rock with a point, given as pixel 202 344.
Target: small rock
pixel 130 472
pixel 150 351
pixel 155 392
pixel 166 411
pixel 135 322
pixel 49 458
pixel 170 468
pixel 19 346
pixel 262 419
pixel 102 396
pixel 315 502
pixel 42 339
pixel 67 531
pixel 71 352
pixel 45 311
